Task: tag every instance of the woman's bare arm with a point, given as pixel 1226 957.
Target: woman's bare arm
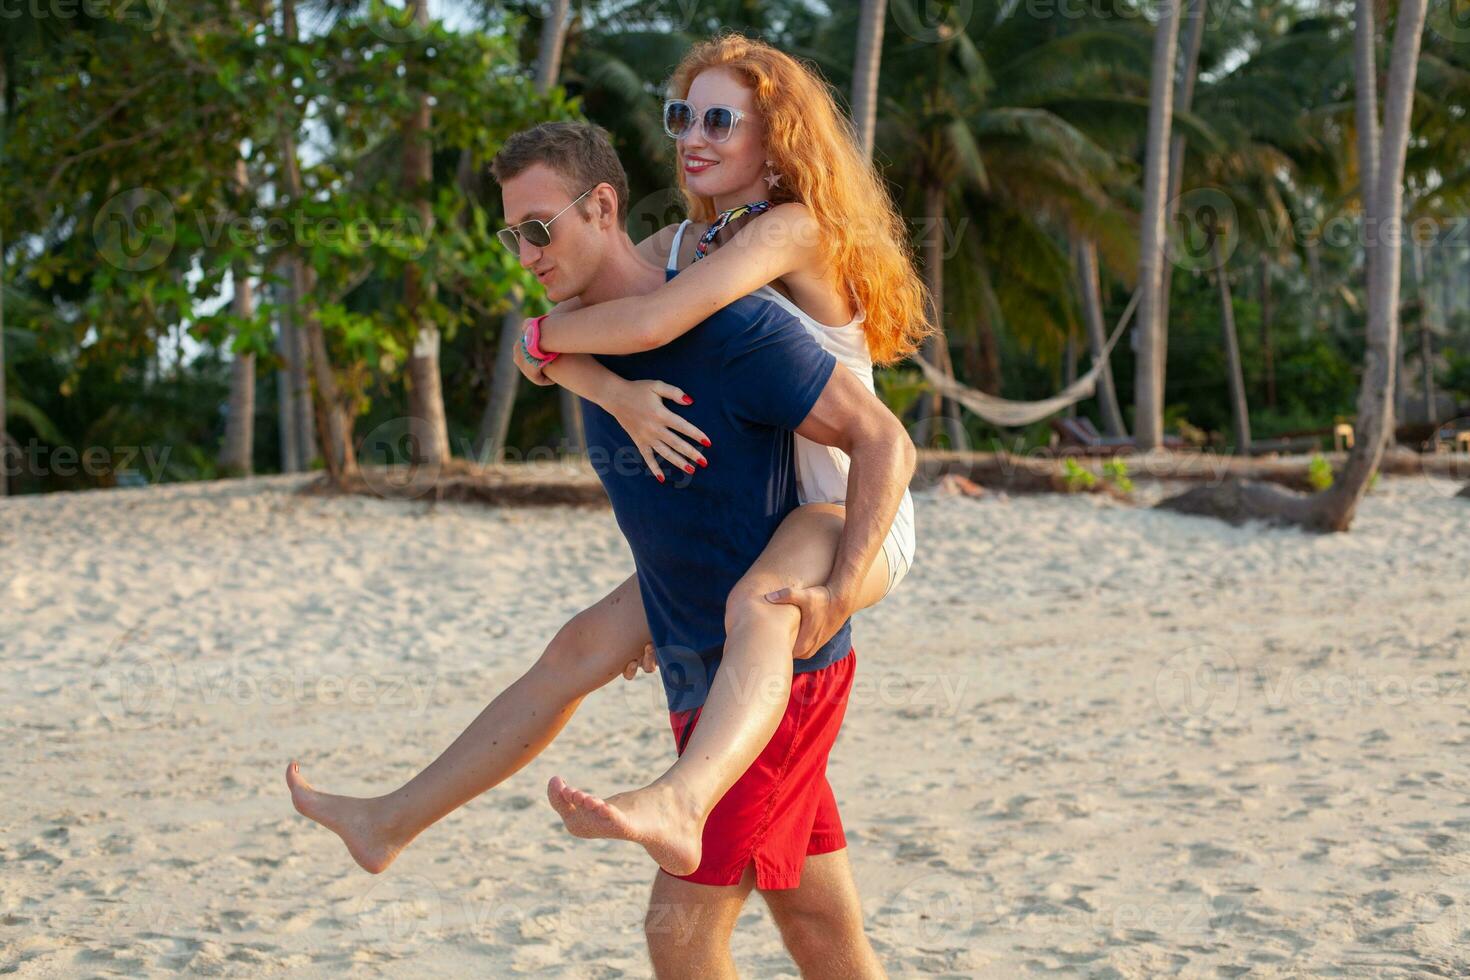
pixel 777 243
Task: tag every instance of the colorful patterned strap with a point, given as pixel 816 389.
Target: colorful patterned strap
pixel 701 248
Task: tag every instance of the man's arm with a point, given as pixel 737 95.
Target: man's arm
pixel 850 417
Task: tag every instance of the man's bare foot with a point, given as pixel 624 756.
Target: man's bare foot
pixel 669 828
pixel 361 823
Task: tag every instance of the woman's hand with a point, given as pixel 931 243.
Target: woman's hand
pixel 655 430
pixel 532 371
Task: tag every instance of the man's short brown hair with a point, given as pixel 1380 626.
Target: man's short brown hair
pixel 580 153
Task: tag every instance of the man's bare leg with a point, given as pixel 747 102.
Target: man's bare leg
pixel 821 922
pixel 688 927
pixel 588 652
pixel 745 704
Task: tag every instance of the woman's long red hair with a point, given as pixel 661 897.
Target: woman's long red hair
pixel 813 147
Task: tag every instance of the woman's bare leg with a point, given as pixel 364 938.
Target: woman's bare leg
pixel 745 704
pixel 596 646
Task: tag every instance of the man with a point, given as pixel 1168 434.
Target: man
pixel 755 377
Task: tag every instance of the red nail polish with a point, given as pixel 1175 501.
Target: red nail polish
pixel 705 443
pixel 703 461
pixel 688 400
pixel 660 477
pixel 688 468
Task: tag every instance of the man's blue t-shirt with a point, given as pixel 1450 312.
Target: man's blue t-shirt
pixel 754 373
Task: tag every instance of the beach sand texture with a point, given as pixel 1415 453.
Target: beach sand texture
pixel 1087 739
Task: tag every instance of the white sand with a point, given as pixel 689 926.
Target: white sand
pixel 1087 740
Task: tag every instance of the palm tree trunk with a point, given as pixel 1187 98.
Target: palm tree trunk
pixel 237 454
pixel 1089 284
pixel 429 442
pixel 332 418
pixel 1365 114
pixel 1194 32
pixel 1148 405
pixel 1069 367
pixel 936 346
pixel 865 71
pixel 1423 293
pixel 495 422
pixel 286 410
pixel 4 436
pixel 1268 351
pixel 1239 414
pixel 1375 418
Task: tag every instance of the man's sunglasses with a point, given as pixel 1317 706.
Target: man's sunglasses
pixel 680 118
pixel 535 231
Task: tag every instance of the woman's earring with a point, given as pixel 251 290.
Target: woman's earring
pixel 772 179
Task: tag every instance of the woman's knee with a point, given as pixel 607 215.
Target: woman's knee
pixel 747 606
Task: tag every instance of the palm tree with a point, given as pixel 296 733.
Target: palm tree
pixel 865 70
pixel 1194 32
pixel 1148 396
pixel 1090 288
pixel 238 449
pixel 1334 508
pixel 495 423
pixel 332 414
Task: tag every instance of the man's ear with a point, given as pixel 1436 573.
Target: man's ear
pixel 606 213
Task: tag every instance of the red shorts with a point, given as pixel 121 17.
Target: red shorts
pixel 782 808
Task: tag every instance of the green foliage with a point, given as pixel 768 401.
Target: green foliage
pixel 1115 471
pixel 1319 472
pixel 1076 477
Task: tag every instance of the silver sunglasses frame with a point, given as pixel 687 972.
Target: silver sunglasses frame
pixel 515 229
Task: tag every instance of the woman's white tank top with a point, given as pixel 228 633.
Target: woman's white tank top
pixel 821 471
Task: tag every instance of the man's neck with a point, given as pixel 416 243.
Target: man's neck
pixel 623 272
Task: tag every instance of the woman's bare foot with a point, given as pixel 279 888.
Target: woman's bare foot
pixel 362 824
pixel 667 826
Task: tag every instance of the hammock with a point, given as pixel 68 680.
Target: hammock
pixel 1012 414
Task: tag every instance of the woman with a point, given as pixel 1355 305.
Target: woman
pixel 759 138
